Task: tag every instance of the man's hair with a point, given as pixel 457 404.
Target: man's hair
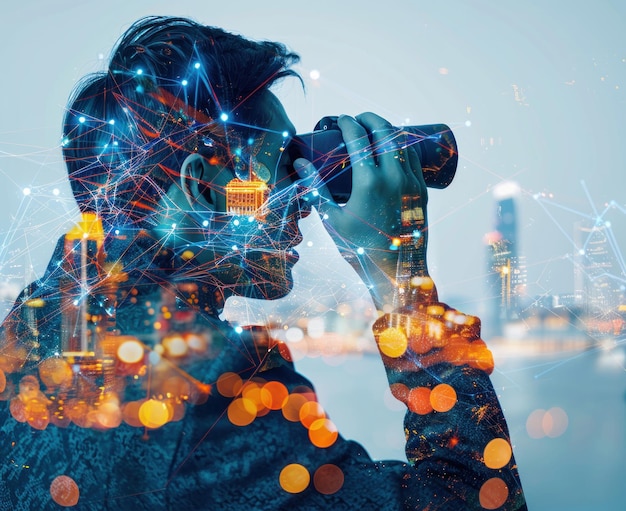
pixel 169 86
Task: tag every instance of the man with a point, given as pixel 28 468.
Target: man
pixel 123 388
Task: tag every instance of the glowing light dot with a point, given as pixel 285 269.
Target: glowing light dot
pixel 139 71
pixel 314 74
pixel 184 83
pixel 294 478
pixel 197 65
pixel 229 384
pixel 112 122
pixel 493 493
pixel 234 248
pixel 238 329
pixel 323 433
pixel 468 123
pixel 294 334
pixel 130 351
pixel 55 191
pixel 392 342
pixel 26 191
pixel 224 117
pixel 274 395
pixel 64 491
pixel 175 346
pixel 419 400
pixel 396 242
pixel 205 223
pixel 236 222
pixel 242 412
pixel 443 397
pixel 82 119
pixel 187 255
pixel 497 453
pixel 153 413
pixel 285 134
pixel 360 251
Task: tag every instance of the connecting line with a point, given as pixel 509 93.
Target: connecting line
pixel 567 236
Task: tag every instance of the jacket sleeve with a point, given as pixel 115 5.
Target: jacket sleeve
pixel 457 438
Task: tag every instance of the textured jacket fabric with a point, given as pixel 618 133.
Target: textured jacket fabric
pixel 205 460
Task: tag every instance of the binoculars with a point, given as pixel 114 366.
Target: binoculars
pixel 324 147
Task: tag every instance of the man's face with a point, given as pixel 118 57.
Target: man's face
pixel 247 254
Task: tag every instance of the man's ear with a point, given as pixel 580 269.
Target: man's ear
pixel 193 173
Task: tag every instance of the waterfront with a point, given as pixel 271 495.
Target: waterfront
pixel 565 407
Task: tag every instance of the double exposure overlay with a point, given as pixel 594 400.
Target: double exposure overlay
pixel 124 386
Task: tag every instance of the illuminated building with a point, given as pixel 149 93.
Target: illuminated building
pixel 597 278
pixel 506 272
pixel 246 198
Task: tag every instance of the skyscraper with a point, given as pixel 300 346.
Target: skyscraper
pixel 506 269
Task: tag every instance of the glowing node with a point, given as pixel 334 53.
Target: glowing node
pixel 224 117
pixel 497 453
pixel 360 251
pixel 184 83
pixel 234 248
pixel 55 191
pixel 236 222
pixel 26 191
pixel 197 65
pixel 205 223
pixel 82 119
pixel 64 491
pixel 238 329
pixel 112 122
pixel 139 71
pixel 285 134
pixel 468 123
pixel 294 478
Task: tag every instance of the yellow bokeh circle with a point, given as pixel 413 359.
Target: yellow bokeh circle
pixel 294 478
pixel 392 342
pixel 497 453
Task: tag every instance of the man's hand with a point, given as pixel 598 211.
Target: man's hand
pixel 388 200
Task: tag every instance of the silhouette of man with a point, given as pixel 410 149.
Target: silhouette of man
pixel 123 389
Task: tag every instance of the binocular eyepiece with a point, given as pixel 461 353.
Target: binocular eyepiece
pixel 324 147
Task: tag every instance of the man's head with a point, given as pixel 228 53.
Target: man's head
pixel 182 110
pixel 173 88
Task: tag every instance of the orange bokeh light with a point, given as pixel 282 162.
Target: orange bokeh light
pixel 392 342
pixel 64 491
pixel 294 478
pixel 323 433
pixel 242 412
pixel 443 397
pixel 328 479
pixel 497 453
pixel 310 412
pixel 493 493
pixel 419 400
pixel 292 405
pixel 274 394
pixel 229 384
